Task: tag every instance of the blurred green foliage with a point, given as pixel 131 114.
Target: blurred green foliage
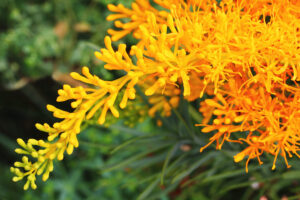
pixel 40 37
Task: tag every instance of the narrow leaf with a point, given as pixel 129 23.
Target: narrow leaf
pixel 168 157
pixel 193 167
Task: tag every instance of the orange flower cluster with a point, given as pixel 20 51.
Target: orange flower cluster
pixel 246 56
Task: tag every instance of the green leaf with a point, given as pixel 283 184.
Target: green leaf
pixel 128 130
pixel 291 175
pixel 168 157
pixel 126 143
pixel 149 161
pixel 134 158
pixel 148 190
pixel 195 114
pixel 224 175
pixel 7 143
pixel 193 167
pixel 294 197
pixel 235 186
pixel 165 191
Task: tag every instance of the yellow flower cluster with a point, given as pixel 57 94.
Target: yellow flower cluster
pixel 245 55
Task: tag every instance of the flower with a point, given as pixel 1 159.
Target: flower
pixel 248 66
pixel 257 118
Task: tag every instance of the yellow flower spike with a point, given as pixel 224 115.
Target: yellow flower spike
pixel 22 143
pixel 21 151
pixel 219 112
pixel 118 24
pixel 33 142
pixel 221 98
pixel 41 159
pixel 33 185
pixel 35 154
pixel 52 137
pixel 51 108
pixel 101 119
pixel 18 172
pixel 114 111
pixel 75 104
pixel 76 76
pixel 30 147
pixel 239 157
pixel 26 186
pixel 31 177
pixel 174 77
pixel 25 159
pixel 224 129
pixel 27 167
pixel 67 124
pixel 131 93
pixel 112 8
pixel 117 35
pixel 50 166
pixel 46 176
pixel 217 121
pixel 41 127
pixel 239 118
pixel 62 115
pixel 43 151
pixel 158 84
pixel 63 136
pixel 16 179
pixel 67 88
pixel 138 15
pixel 186 85
pixel 70 149
pixel 98 55
pixel 56 125
pixel 208 129
pixel 94 109
pixel 60 155
pixel 122 50
pixel 171 24
pixel 61 92
pixel 53 155
pixel 60 144
pixel 124 99
pixel 73 140
pixel 150 91
pixel 213 103
pixel 107 42
pixel 227 121
pixel 18 164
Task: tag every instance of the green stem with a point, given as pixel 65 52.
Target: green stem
pixel 195 115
